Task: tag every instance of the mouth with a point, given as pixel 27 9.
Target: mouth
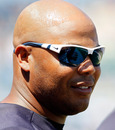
pixel 84 88
pixel 81 87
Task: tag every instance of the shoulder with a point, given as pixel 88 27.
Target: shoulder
pixel 14 117
pixel 108 123
pixel 15 128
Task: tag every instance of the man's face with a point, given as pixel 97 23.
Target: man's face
pixel 62 89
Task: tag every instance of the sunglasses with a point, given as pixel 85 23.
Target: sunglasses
pixel 72 55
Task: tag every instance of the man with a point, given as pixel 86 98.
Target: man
pixel 56 66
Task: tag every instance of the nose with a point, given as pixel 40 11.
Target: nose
pixel 86 67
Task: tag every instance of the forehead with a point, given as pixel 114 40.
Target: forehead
pixel 75 32
pixel 55 26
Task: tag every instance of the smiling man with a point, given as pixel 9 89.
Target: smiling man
pixel 56 66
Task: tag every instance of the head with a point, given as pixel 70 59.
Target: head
pixel 60 89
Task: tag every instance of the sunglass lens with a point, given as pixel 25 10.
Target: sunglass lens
pixel 97 56
pixel 72 56
pixel 77 55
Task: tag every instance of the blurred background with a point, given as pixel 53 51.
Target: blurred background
pixel 103 98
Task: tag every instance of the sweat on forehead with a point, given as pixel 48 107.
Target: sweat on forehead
pixel 38 19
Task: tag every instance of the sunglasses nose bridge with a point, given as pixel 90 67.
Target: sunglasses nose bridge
pixel 90 52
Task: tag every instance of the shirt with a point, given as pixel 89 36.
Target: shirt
pixel 15 117
pixel 108 123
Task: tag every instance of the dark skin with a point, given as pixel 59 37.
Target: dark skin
pixel 40 82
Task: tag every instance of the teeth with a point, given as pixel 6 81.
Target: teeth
pixel 84 87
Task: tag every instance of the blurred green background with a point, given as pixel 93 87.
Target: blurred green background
pixel 102 12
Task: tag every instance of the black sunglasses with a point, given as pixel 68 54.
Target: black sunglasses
pixel 72 55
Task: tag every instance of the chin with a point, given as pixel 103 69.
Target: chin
pixel 75 109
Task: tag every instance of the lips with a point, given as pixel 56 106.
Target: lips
pixel 83 87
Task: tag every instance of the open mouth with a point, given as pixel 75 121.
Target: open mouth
pixel 82 90
pixel 81 87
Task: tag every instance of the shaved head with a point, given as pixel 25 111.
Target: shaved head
pixel 41 82
pixel 44 18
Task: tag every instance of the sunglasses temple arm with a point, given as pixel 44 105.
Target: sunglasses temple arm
pixel 30 44
pixel 45 46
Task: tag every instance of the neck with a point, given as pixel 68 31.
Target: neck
pixel 26 99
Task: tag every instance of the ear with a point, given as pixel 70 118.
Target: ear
pixel 23 57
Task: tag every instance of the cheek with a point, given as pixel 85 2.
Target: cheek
pixel 50 66
pixel 54 74
pixel 47 71
pixel 97 73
